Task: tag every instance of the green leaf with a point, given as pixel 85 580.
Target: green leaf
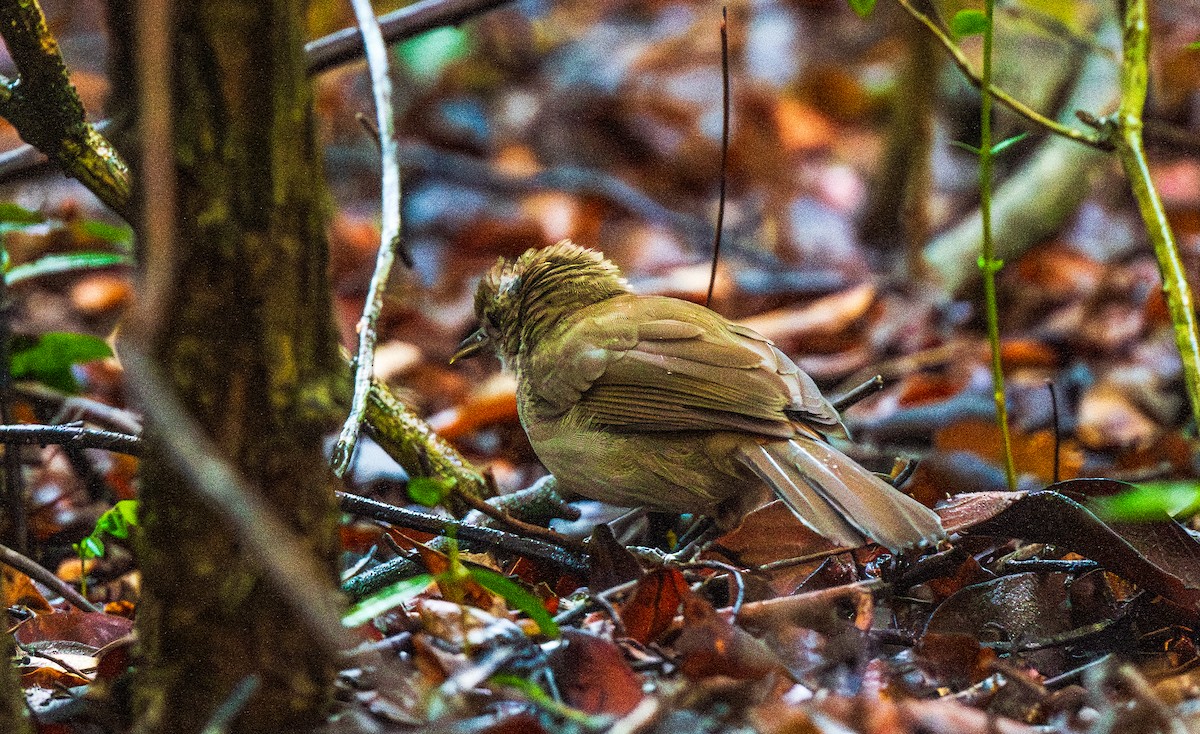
pixel 993 266
pixel 1194 46
pixel 1004 145
pixel 429 491
pixel 517 597
pixel 428 54
pixel 69 263
pixel 1151 500
pixel 15 216
pixel 537 695
pixel 968 23
pixel 48 357
pixel 120 235
pixel 862 7
pixel 89 547
pixel 965 146
pixel 386 599
pixel 119 521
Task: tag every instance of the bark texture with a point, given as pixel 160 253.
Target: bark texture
pixel 248 342
pixel 14 715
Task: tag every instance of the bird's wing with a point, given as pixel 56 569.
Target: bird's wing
pixel 660 364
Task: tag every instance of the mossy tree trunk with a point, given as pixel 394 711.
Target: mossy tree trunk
pixel 14 715
pixel 248 342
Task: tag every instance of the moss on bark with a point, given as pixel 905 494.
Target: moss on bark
pixel 248 342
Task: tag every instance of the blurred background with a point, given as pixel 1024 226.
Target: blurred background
pixel 851 226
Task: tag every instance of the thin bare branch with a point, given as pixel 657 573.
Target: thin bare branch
pixel 347 44
pixel 520 526
pixel 716 253
pixel 46 577
pixel 77 436
pixel 568 560
pixel 364 362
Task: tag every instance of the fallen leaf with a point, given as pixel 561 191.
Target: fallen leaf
pixel 654 604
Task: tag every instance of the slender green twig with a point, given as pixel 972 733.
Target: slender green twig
pixel 1125 131
pixel 364 363
pixel 987 261
pixel 1014 104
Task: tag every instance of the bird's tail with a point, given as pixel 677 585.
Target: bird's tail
pixel 839 499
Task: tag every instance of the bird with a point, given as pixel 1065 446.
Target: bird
pixel 656 402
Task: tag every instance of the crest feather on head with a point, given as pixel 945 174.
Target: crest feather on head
pixel 521 297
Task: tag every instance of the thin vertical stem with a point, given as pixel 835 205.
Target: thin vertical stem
pixel 988 262
pixel 1130 150
pixel 14 490
pixel 390 244
pixel 716 256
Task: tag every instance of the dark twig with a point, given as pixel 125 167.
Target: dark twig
pixel 60 662
pixel 346 45
pixel 604 600
pixel 1057 431
pixel 858 394
pixel 70 435
pixel 324 53
pixel 735 579
pixel 46 577
pixel 364 363
pixel 14 487
pixel 568 560
pixel 520 526
pixel 1050 565
pixel 288 567
pixel 716 254
pixel 462 168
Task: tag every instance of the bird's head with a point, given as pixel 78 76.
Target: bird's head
pixel 519 301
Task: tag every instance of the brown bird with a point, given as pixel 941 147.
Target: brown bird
pixel 648 401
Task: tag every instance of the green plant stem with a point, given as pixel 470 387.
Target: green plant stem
pixel 1126 133
pixel 988 261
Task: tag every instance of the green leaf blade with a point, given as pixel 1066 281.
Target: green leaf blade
pixel 429 491
pixel 386 599
pixel 48 357
pixel 65 263
pixel 1007 143
pixel 862 8
pixel 1151 501
pixel 968 23
pixel 517 597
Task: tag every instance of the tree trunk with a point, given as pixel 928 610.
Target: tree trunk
pixel 247 339
pixel 14 714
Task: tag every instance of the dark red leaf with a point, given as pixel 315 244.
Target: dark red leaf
pixel 654 604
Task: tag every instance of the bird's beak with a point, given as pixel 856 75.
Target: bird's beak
pixel 471 346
